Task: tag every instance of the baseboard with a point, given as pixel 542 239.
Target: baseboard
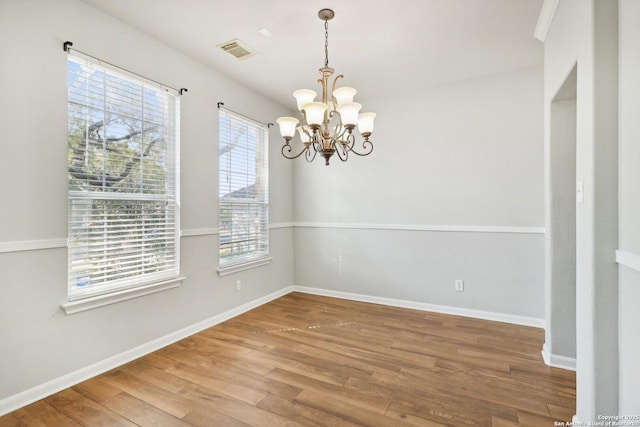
pixel 477 314
pixel 546 354
pixel 41 391
pixel 563 362
pixel 556 361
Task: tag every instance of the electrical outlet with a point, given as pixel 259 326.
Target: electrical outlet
pixel 238 285
pixel 459 285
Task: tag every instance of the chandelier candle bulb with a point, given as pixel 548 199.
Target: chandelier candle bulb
pixel 344 95
pixel 287 126
pixel 327 125
pixel 304 96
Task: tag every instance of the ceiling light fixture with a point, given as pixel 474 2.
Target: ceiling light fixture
pixel 327 126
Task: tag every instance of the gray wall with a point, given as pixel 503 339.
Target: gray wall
pixel 38 342
pixel 456 157
pixel 629 181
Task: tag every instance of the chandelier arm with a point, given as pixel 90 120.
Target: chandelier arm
pixel 306 132
pixel 341 152
pixel 339 127
pixel 316 142
pixel 367 145
pixel 333 88
pixel 350 142
pixel 310 155
pixel 288 147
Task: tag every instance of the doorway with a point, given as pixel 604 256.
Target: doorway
pixel 564 190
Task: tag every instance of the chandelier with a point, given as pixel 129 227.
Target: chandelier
pixel 327 126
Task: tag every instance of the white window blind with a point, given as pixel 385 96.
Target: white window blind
pixel 123 135
pixel 244 190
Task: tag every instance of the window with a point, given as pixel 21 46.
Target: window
pixel 123 137
pixel 244 191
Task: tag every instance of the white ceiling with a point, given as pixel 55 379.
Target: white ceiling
pixel 380 46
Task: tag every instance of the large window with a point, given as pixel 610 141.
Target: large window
pixel 244 187
pixel 123 170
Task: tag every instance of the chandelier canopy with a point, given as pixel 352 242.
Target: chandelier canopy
pixel 327 126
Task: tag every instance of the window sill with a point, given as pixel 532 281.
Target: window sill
pixel 225 271
pixel 90 303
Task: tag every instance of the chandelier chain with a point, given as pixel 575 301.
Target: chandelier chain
pixel 326 43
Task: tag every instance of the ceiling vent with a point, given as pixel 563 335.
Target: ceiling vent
pixel 238 49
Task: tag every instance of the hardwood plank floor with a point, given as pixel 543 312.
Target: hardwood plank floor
pixel 305 360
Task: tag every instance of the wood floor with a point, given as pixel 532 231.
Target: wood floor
pixel 317 361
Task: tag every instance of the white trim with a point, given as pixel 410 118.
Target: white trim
pixel 547 12
pixel 281 225
pixel 90 303
pixel 576 421
pixel 420 227
pixel 546 354
pixel 41 391
pixel 199 232
pixel 556 361
pixel 563 362
pixel 477 314
pixel 211 231
pixel 32 245
pixel 628 259
pixel 225 271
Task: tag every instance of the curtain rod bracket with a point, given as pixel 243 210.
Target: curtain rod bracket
pixel 182 90
pixel 220 104
pixel 66 45
pixel 269 125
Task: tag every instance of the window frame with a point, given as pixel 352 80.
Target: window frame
pixel 260 154
pixel 166 195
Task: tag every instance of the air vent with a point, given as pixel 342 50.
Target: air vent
pixel 237 49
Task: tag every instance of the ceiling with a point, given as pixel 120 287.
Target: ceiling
pixel 382 47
